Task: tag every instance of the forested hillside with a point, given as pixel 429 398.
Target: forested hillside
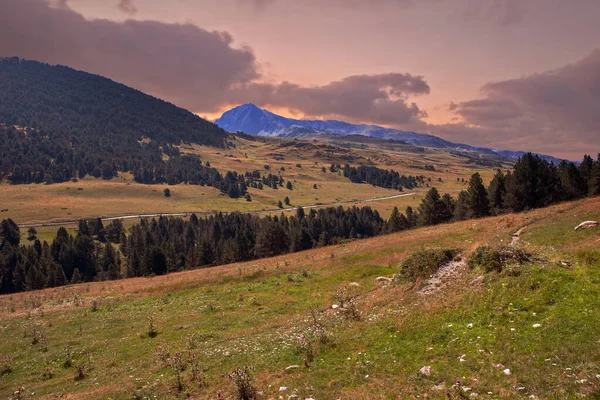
pixel 57 124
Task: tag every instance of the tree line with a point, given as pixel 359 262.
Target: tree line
pixel 384 178
pixel 163 245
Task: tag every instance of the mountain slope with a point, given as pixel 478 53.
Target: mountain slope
pixel 252 119
pixel 59 99
pixel 58 124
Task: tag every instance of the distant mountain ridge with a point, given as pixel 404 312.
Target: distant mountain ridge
pixel 251 119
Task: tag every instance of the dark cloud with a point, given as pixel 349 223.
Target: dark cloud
pixel 127 6
pixel 364 98
pixel 184 64
pixel 554 110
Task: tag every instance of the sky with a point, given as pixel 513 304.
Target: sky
pixel 512 74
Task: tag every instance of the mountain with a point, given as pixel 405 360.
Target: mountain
pixel 59 99
pixel 254 120
pixel 58 124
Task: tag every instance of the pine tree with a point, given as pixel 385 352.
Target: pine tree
pixel 461 210
pixel 594 180
pixel 76 278
pixel 9 233
pixel 396 223
pixel 477 198
pixel 431 208
pixel 497 193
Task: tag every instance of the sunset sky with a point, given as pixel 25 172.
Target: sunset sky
pixel 513 74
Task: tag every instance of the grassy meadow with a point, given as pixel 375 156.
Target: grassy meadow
pixel 89 197
pixel 530 331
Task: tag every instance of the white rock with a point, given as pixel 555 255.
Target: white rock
pixel 469 326
pixel 383 279
pixel 506 371
pixel 426 370
pixel 537 325
pixel 334 306
pixel 355 284
pixel 291 367
pixel 587 225
pixel 282 388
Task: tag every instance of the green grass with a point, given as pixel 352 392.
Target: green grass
pixel 254 313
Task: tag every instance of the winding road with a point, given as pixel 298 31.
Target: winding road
pixel 185 214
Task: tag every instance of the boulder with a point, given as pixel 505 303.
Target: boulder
pixel 587 225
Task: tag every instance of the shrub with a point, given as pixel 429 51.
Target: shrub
pixel 243 382
pixel 347 303
pixel 489 258
pixel 425 263
pixel 306 348
pixel 152 330
pixel 486 258
pixel 68 357
pixel 5 365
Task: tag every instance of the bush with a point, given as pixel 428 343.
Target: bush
pixel 425 263
pixel 243 382
pixel 490 259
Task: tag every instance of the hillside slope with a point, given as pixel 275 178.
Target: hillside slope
pixel 60 100
pixel 529 331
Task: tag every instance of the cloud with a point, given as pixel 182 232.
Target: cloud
pixel 187 65
pixel 380 98
pixel 127 6
pixel 554 110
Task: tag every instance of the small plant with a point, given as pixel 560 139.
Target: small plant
pixel 177 366
pixel 152 331
pixel 243 382
pixel 82 370
pixel 318 328
pixel 162 355
pixel 306 348
pixel 6 365
pixel 347 303
pixel 197 375
pixel 68 357
pixel 39 336
pixel 48 373
pixel 167 192
pixel 94 306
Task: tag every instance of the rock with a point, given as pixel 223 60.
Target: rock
pixel 506 371
pixel 383 279
pixel 282 388
pixel 354 284
pixel 587 225
pixel 291 367
pixel 476 280
pixel 470 325
pixel 426 370
pixel 334 306
pixel 537 325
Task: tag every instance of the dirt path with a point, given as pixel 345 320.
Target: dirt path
pixel 517 236
pixel 187 213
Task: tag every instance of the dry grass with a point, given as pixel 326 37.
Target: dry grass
pixel 122 196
